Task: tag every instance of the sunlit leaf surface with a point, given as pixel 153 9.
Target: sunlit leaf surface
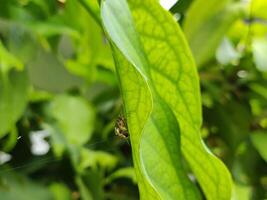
pixel 160 89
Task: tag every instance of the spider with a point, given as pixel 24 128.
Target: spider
pixel 121 128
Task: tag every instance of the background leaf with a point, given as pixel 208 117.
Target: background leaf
pixel 205 25
pixel 14 186
pixel 14 87
pixel 74 116
pixel 260 141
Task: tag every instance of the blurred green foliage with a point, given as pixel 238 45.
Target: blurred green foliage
pixel 57 76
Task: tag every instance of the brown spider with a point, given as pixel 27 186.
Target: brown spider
pixel 121 127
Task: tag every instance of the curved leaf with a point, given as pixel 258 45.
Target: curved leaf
pixel 160 90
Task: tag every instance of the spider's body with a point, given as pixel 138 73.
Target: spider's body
pixel 121 128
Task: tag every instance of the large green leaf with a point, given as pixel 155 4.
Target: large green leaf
pixel 206 23
pixel 160 90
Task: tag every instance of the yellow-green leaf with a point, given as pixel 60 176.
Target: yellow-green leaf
pixel 161 94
